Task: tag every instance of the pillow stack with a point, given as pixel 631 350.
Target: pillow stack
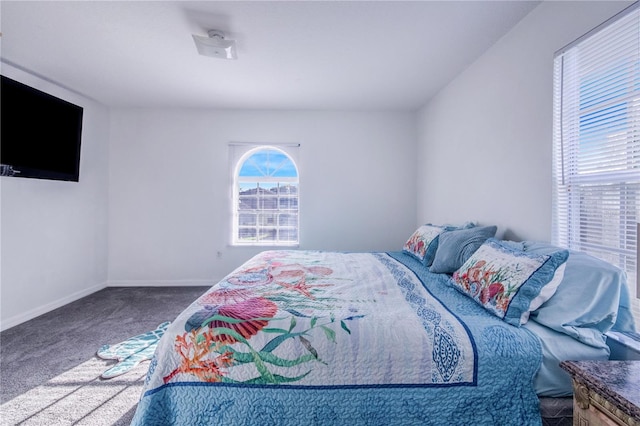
pixel 501 276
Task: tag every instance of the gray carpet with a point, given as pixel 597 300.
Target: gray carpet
pixel 49 374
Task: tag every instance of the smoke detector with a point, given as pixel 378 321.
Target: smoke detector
pixel 216 46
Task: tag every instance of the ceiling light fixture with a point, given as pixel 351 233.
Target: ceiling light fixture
pixel 215 45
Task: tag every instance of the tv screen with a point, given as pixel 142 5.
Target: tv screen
pixel 39 134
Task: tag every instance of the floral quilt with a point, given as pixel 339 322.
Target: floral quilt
pixel 307 337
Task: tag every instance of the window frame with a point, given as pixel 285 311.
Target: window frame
pixel 596 145
pixel 278 212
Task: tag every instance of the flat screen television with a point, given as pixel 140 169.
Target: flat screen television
pixel 40 134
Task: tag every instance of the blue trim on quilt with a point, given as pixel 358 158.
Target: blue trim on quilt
pixel 398 257
pixel 334 408
pixel 311 387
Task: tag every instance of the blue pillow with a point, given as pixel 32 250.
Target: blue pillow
pixel 592 298
pixel 510 283
pixel 455 247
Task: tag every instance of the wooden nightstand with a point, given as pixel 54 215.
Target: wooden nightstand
pixel 605 392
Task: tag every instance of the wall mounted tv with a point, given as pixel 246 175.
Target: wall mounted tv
pixel 40 134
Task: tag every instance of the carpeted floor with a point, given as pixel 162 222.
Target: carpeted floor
pixel 49 374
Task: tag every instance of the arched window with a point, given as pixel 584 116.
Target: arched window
pixel 265 198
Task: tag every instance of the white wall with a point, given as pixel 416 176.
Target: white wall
pixel 54 233
pixel 169 187
pixel 484 147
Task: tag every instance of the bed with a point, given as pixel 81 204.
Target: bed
pixel 329 338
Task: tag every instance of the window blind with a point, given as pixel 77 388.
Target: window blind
pixel 596 154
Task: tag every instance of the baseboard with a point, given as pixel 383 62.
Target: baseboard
pixel 160 283
pixel 40 310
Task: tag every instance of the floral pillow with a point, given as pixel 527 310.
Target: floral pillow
pixel 424 242
pixel 508 282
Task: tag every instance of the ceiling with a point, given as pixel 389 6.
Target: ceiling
pixel 365 55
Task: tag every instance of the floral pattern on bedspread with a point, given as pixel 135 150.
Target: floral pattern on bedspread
pixel 294 317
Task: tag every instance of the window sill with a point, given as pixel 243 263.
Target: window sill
pixel 266 246
pixel 623 345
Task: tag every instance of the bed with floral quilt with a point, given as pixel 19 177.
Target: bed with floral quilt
pixel 329 338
